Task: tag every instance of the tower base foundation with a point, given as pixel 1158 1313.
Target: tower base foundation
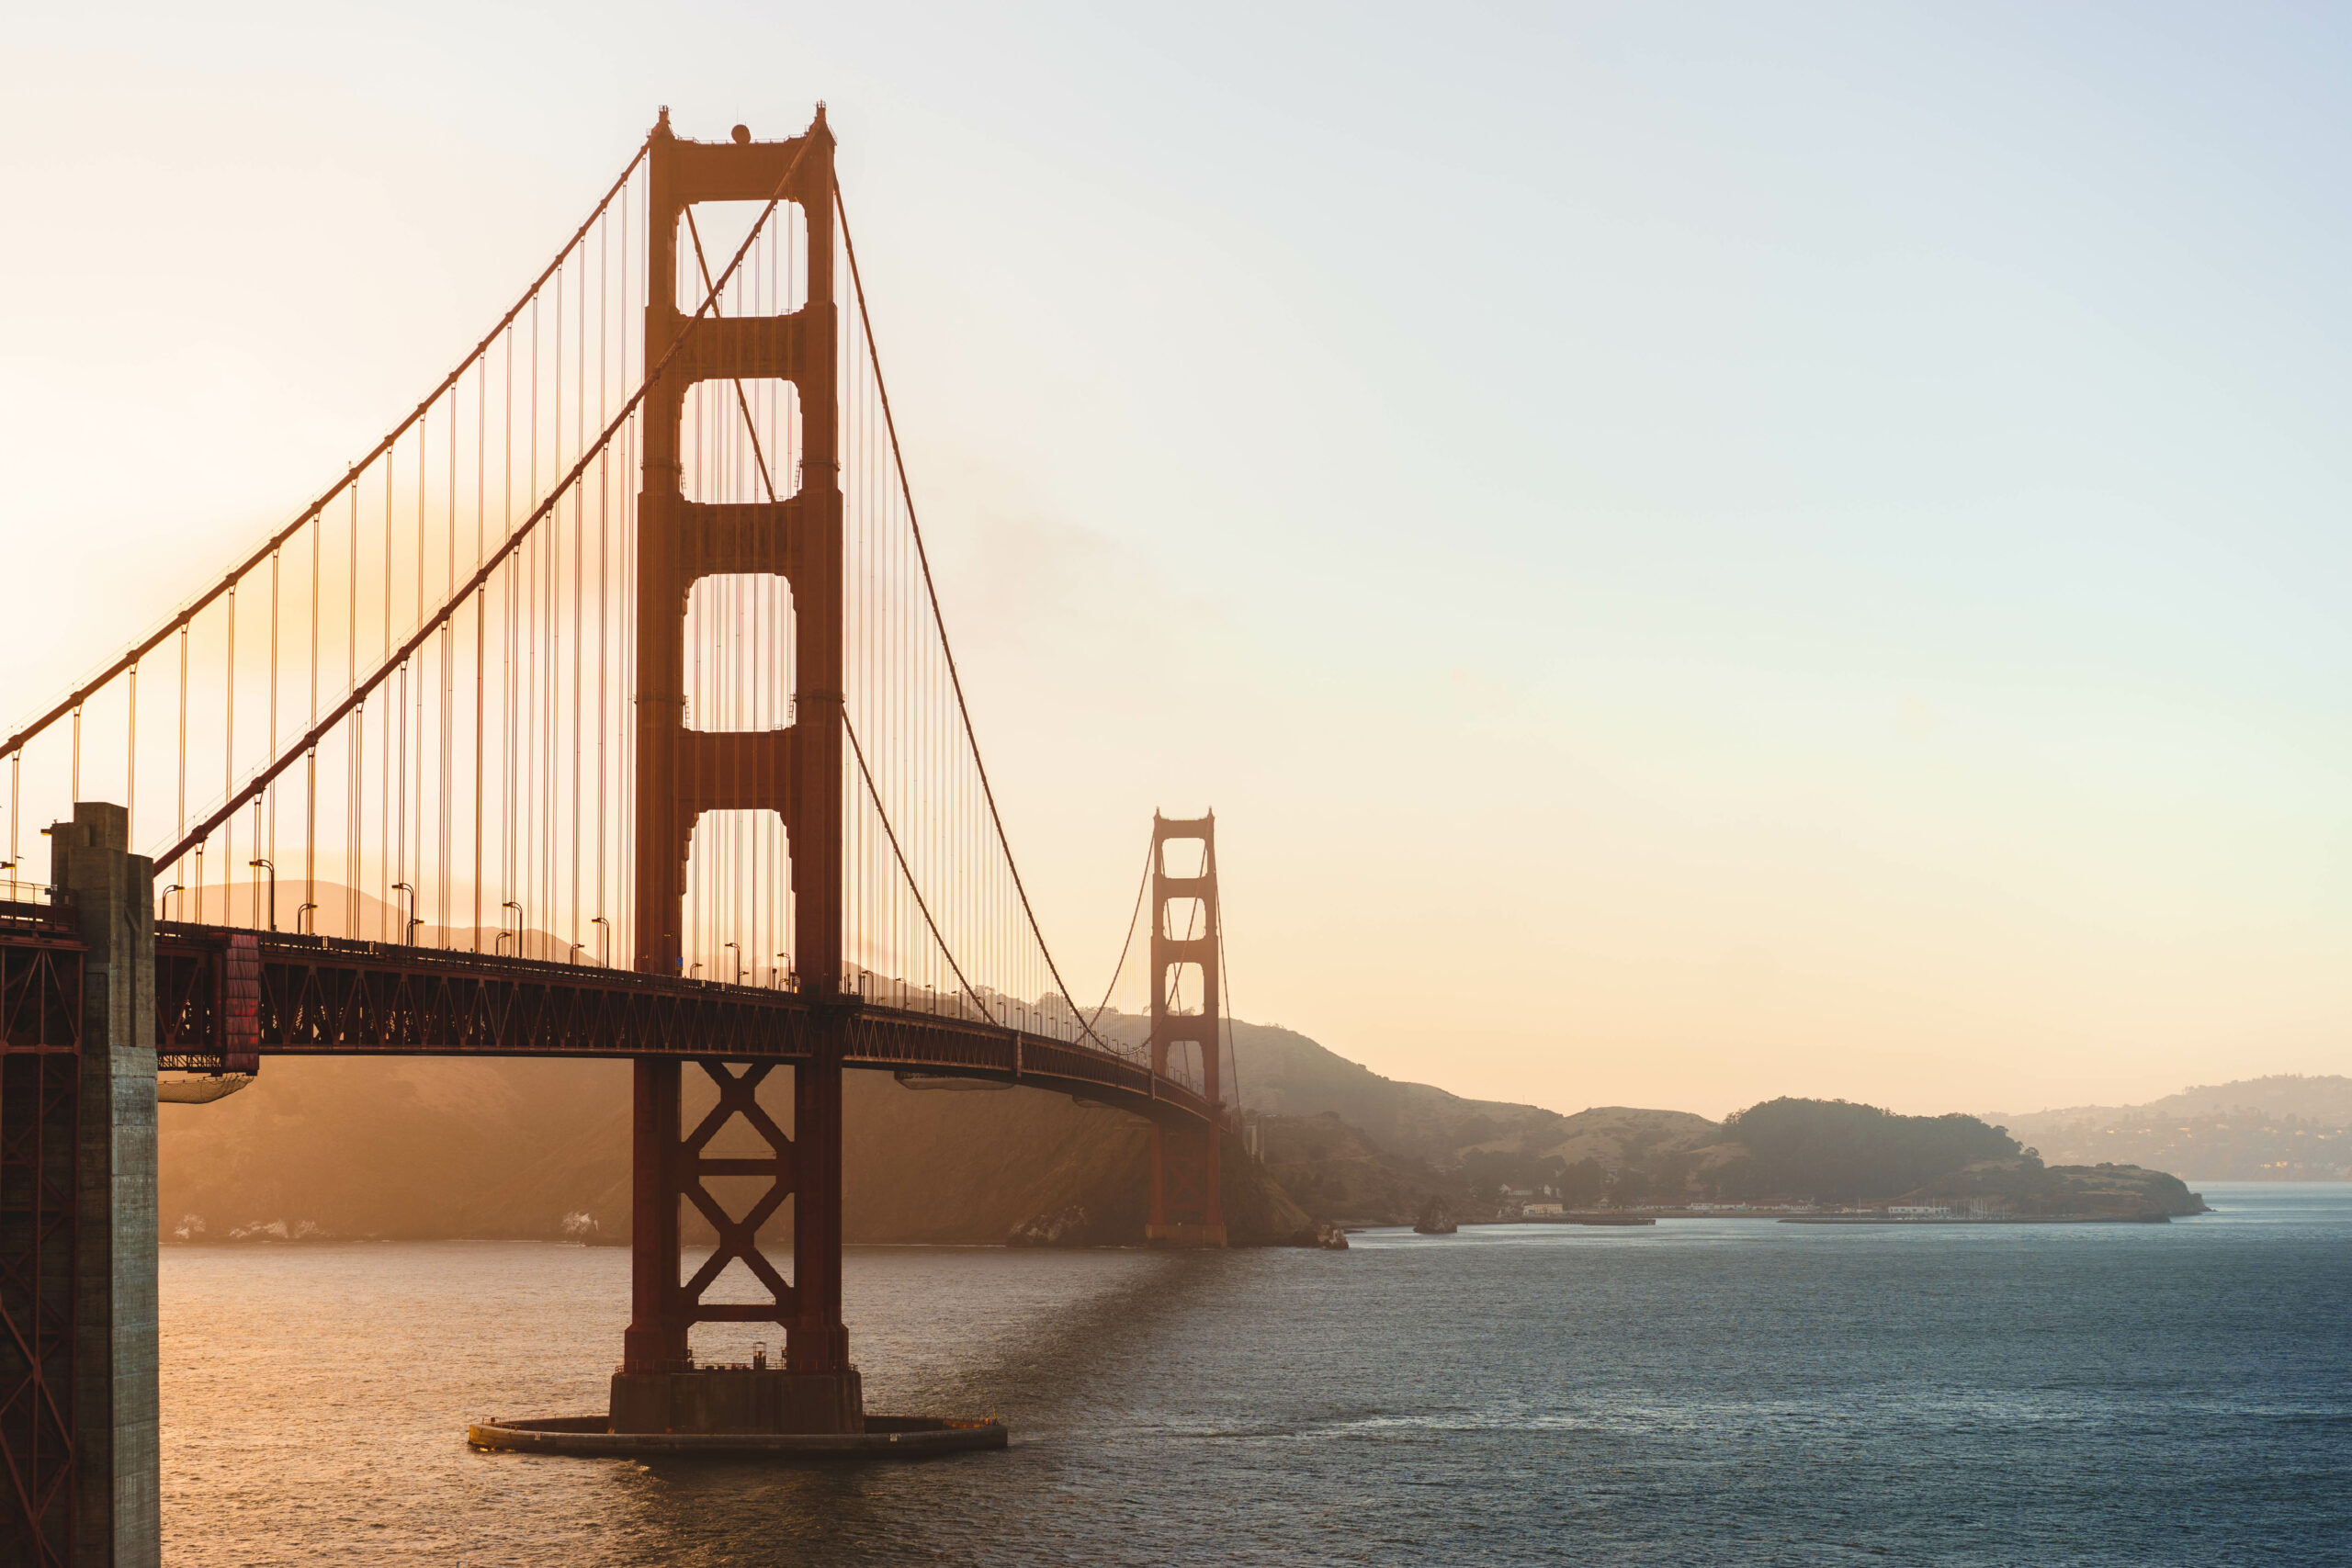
pixel 1184 1235
pixel 736 1400
pixel 886 1436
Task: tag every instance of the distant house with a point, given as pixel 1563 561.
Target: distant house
pixel 1544 1211
pixel 1516 1194
pixel 1920 1211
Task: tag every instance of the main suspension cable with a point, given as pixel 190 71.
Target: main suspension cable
pixel 1134 918
pixel 920 903
pixel 947 652
pixel 278 540
pixel 396 660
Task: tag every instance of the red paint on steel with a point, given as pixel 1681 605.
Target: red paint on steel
pixel 794 771
pixel 324 997
pixel 240 1004
pixel 1187 1207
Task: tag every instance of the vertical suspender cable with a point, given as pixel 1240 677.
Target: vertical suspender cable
pixel 228 763
pixel 130 757
pixel 311 788
pixel 481 619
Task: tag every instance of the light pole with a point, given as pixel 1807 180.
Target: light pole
pixel 311 910
pixel 160 898
pixel 264 866
pixel 509 904
pixel 607 936
pixel 408 937
pixel 739 960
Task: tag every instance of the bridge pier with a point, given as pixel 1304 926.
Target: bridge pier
pixel 659 1387
pixel 104 890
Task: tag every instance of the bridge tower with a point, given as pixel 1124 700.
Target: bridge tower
pixel 1187 1209
pixel 794 771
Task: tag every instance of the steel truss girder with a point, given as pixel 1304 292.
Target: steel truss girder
pixel 319 996
pixel 738 1238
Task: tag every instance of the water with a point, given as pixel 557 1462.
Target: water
pixel 1705 1392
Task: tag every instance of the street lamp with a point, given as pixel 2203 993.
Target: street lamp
pixel 311 910
pixel 409 936
pixel 509 904
pixel 607 934
pixel 264 866
pixel 160 898
pixel 739 960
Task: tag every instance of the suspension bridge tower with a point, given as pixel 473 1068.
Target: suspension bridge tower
pixel 794 772
pixel 1187 1206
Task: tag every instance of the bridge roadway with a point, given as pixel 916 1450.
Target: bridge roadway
pixel 225 997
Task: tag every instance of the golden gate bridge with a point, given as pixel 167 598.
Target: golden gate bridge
pixel 605 707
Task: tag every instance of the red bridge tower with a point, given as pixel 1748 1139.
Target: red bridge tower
pixel 1187 1209
pixel 794 771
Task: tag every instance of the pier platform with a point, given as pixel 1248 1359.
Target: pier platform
pixel 886 1436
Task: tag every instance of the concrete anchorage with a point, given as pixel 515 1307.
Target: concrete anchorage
pixel 118 1476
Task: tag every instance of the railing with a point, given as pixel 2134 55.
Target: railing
pixel 327 995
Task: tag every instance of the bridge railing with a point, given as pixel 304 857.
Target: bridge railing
pixel 327 995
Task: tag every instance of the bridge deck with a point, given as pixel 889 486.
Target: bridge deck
pixel 324 997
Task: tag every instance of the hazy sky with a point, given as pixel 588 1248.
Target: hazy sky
pixel 1698 551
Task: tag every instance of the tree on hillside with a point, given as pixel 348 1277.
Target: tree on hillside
pixel 1831 1149
pixel 1581 1183
pixel 1489 1171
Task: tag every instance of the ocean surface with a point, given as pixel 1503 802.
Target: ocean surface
pixel 1702 1392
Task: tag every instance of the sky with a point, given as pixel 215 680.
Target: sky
pixel 1697 551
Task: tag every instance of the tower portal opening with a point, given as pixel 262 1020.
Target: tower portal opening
pixel 773 278
pixel 737 438
pixel 740 648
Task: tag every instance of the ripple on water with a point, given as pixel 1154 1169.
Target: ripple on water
pixel 1703 1391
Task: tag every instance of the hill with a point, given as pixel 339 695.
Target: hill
pixel 450 1147
pixel 1831 1151
pixel 1333 1169
pixel 435 1147
pixel 2025 1185
pixel 1283 1073
pixel 1354 1147
pixel 2286 1127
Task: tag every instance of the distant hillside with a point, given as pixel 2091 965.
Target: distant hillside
pixel 426 1148
pixel 1336 1172
pixel 432 1148
pixel 1614 1137
pixel 1832 1151
pixel 2024 1186
pixel 443 1148
pixel 1283 1073
pixel 2282 1128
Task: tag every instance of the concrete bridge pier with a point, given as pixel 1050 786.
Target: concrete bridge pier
pixel 107 891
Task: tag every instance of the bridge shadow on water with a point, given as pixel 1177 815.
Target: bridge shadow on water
pixel 1049 1341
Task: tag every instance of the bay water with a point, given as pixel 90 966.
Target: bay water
pixel 1701 1391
